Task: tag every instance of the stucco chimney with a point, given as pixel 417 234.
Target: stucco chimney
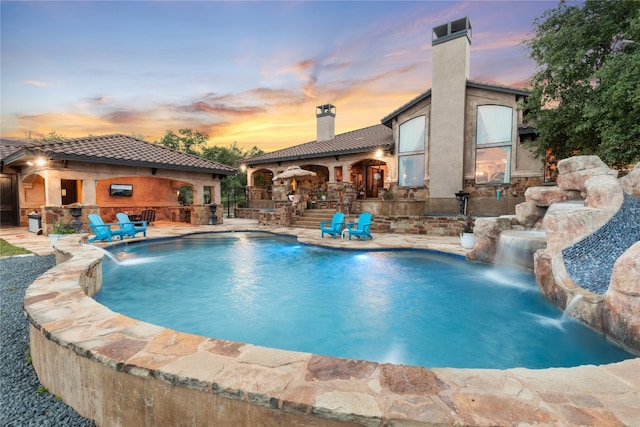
pixel 450 71
pixel 326 115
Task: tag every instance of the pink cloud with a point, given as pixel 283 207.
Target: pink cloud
pixel 37 83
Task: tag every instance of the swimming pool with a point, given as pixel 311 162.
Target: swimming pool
pixel 405 307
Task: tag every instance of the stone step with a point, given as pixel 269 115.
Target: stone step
pixel 319 212
pixel 311 218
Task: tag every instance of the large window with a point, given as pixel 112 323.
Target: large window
pixel 493 144
pixel 494 124
pixel 411 153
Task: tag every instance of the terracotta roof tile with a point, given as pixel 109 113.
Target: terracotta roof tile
pixel 357 141
pixel 118 150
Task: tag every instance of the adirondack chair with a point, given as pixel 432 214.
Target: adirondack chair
pixel 334 227
pixel 361 228
pixel 131 228
pixel 104 231
pixel 148 215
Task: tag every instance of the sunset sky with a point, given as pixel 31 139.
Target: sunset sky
pixel 250 72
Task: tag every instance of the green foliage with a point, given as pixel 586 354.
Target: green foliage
pixel 231 156
pixel 187 140
pixel 585 97
pixel 185 195
pixel 52 136
pixel 60 227
pixel 195 142
pixel 42 390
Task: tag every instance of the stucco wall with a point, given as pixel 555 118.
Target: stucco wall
pixel 146 191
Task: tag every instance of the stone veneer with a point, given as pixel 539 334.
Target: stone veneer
pixel 591 221
pixel 120 371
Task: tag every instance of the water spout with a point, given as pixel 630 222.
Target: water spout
pixel 118 261
pixel 108 254
pixel 568 311
pixel 516 248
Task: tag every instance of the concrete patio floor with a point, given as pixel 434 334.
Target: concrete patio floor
pixel 606 395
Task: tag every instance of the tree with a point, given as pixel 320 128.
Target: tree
pixel 231 156
pixel 187 140
pixel 585 96
pixel 195 142
pixel 52 136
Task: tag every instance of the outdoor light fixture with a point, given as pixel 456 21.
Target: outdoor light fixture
pixel 463 200
pixel 38 162
pixel 379 153
pixel 243 168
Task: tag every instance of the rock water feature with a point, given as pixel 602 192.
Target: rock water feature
pixel 590 258
pixel 516 247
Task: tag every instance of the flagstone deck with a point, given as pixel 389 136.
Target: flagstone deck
pixel 120 371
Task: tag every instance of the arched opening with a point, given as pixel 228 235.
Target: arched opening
pixel 34 191
pixel 262 182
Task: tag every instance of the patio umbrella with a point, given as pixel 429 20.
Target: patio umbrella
pixel 294 172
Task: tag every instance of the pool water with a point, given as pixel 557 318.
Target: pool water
pixel 406 307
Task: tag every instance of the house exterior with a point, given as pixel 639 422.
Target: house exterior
pixel 456 147
pixel 105 174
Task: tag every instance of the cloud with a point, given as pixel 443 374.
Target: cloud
pixel 220 108
pixel 103 99
pixel 122 116
pixel 37 83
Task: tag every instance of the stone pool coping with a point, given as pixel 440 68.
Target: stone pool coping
pixel 121 371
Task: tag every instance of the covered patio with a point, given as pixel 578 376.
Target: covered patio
pixel 106 175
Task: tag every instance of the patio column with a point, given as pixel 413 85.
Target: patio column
pixel 52 188
pixel 89 191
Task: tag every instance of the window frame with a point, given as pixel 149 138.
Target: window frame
pixel 501 143
pixel 406 153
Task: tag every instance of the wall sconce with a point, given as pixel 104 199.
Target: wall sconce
pixel 379 153
pixel 38 162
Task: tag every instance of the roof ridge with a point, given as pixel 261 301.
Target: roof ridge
pixel 117 148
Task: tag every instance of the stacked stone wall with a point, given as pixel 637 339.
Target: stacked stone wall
pixel 591 223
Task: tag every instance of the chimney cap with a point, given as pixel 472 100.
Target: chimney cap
pixel 326 110
pixel 451 30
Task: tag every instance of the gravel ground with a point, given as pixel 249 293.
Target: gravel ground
pixel 23 400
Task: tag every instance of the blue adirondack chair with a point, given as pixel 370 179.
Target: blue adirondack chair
pixel 361 228
pixel 334 227
pixel 104 231
pixel 131 228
